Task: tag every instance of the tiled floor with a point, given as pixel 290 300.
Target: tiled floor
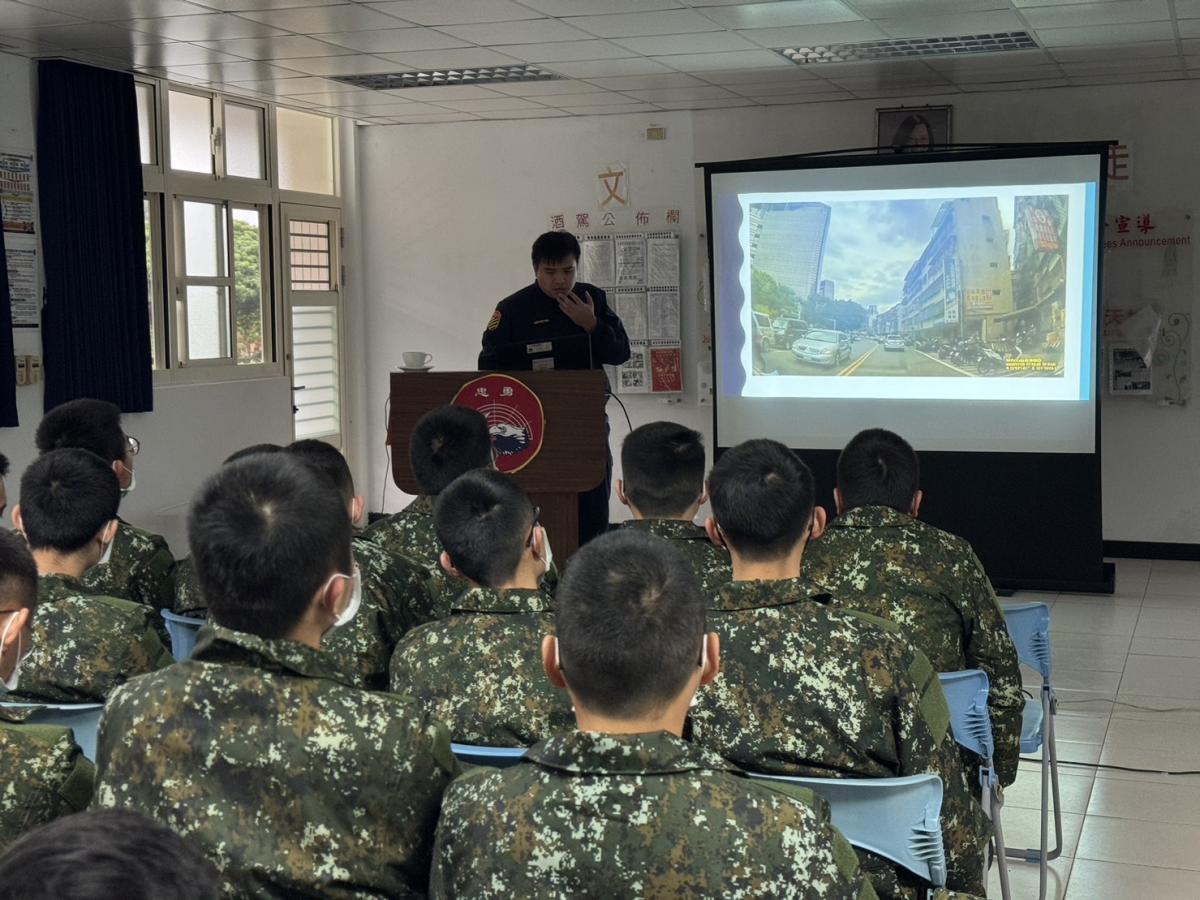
pixel 1127 668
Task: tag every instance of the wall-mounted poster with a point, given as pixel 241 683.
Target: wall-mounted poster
pixel 909 128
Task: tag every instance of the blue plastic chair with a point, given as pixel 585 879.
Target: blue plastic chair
pixel 182 630
pixel 496 757
pixel 82 718
pixel 896 818
pixel 967 695
pixel 1029 627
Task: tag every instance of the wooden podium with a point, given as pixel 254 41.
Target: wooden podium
pixel 574 447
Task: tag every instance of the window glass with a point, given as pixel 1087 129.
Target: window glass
pixel 207 321
pixel 244 141
pixel 191 132
pixel 248 285
pixel 150 274
pixel 145 111
pixel 305 151
pixel 203 239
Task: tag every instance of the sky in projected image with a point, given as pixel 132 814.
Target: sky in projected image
pixel 873 244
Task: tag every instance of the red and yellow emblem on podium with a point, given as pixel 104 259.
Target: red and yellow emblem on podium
pixel 514 415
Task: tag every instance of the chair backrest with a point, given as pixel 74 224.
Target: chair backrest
pixel 967 695
pixel 82 718
pixel 896 818
pixel 1029 628
pixel 182 631
pixel 497 757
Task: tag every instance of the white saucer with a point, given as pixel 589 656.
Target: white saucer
pixel 415 369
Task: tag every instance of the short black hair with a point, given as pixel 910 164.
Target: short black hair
pixel 83 424
pixel 251 451
pixel 105 853
pixel 445 443
pixel 483 521
pixel 629 617
pixel 328 460
pixel 18 572
pixel 878 468
pixel 762 496
pixel 554 246
pixel 67 496
pixel 3 466
pixel 662 465
pixel 265 533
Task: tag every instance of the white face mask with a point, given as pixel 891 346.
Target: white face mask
pixel 125 492
pixel 547 557
pixel 10 683
pixel 107 554
pixel 350 610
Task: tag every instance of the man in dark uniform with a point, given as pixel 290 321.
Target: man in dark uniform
pixel 534 328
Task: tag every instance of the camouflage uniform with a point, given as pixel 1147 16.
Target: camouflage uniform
pixel 84 644
pixel 292 782
pixel 640 815
pixel 410 533
pixel 819 692
pixel 140 569
pixel 188 599
pixel 395 598
pixel 480 670
pixel 710 561
pixel 932 585
pixel 43 775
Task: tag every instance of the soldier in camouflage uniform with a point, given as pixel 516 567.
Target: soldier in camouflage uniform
pixel 84 644
pixel 188 600
pixel 445 443
pixel 43 771
pixel 662 483
pixel 624 807
pixel 140 566
pixel 876 556
pixel 293 782
pixel 810 690
pixel 479 670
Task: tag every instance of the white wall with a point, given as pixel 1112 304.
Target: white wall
pixel 451 211
pixel 192 427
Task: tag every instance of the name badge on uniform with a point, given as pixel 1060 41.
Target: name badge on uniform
pixel 546 362
pixel 543 347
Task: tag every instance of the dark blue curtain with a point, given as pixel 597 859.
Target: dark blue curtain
pixel 8 373
pixel 96 321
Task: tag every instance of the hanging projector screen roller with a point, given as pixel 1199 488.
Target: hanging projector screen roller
pixel 952 300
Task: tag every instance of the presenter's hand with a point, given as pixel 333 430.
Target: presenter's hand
pixel 581 312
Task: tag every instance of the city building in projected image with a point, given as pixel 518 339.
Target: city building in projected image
pixel 787 243
pixel 826 289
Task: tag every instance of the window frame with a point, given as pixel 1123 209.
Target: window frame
pixel 166 188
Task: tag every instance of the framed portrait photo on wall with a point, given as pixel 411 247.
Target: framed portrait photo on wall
pixel 912 128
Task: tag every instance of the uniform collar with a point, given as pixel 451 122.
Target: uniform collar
pixel 671 529
pixel 655 753
pixel 489 600
pixel 422 506
pixel 757 594
pixel 224 645
pixel 53 585
pixel 872 517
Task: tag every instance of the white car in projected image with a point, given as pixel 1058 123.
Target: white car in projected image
pixel 893 342
pixel 823 346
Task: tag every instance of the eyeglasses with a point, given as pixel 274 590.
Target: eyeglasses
pixel 537 514
pixel 132 444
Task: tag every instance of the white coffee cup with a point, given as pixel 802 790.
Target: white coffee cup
pixel 416 359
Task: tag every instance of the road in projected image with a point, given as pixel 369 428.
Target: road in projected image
pixel 964 287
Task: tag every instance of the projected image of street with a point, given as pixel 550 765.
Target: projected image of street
pixel 964 287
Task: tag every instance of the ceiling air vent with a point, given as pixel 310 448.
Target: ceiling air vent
pixel 910 48
pixel 392 81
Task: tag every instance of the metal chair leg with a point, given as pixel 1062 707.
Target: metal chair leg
pixel 999 851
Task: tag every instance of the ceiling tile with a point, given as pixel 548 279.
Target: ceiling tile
pixel 522 114
pixel 1187 9
pixel 386 109
pixel 530 31
pixel 335 98
pixel 492 103
pixel 319 19
pixel 599 68
pixel 1013 59
pixel 451 59
pixel 293 86
pixel 814 35
pixel 214 27
pixel 455 12
pixel 952 24
pixel 1165 64
pixel 681 21
pixel 709 92
pixel 85 36
pixel 1189 28
pixel 1106 34
pixel 1107 13
pixel 18 15
pixel 619 109
pixel 752 76
pixel 598 7
pixel 1019 73
pixel 283 47
pixel 239 5
pixel 703 42
pixel 814 85
pixel 647 82
pixel 355 64
pixel 1140 51
pixel 782 14
pixel 987 87
pixel 543 88
pixel 707 104
pixel 445 92
pixel 1124 78
pixel 596 98
pixel 235 71
pixel 891 9
pixel 741 59
pixel 566 51
pixel 175 54
pixel 814 97
pixel 394 40
pixel 111 10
